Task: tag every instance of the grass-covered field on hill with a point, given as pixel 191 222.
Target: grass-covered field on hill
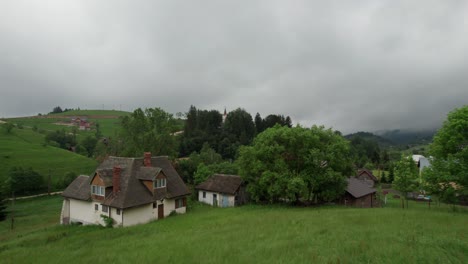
pixel 107 113
pixel 25 148
pixel 108 121
pixel 247 234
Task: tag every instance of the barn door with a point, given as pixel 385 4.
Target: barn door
pixel 225 201
pixel 160 211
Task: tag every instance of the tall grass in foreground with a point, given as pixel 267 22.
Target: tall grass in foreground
pixel 248 234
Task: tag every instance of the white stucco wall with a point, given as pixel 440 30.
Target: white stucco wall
pixel 219 197
pixel 139 215
pixel 83 211
pixel 117 218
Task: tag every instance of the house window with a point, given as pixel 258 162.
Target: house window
pixel 118 211
pixel 97 190
pixel 96 207
pixel 180 202
pixel 204 194
pixel 154 205
pixel 160 183
pixel 105 208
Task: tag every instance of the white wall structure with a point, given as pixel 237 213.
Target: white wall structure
pixel 139 215
pixel 84 212
pixel 223 200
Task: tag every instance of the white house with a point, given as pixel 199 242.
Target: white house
pixel 421 161
pixel 222 190
pixel 129 190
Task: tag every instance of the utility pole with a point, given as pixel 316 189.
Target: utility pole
pixel 12 211
pixel 48 185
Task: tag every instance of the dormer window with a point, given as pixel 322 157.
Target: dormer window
pixel 97 190
pixel 160 183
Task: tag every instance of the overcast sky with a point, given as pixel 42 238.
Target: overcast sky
pixel 350 65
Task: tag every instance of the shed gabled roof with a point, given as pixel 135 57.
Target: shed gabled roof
pixel 132 190
pixel 222 183
pixel 368 172
pixel 357 188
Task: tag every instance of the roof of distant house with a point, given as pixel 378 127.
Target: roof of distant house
pixel 368 172
pixel 222 183
pixel 357 188
pixel 132 190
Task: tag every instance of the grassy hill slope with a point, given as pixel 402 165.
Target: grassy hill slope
pixel 248 234
pixel 107 119
pixel 25 148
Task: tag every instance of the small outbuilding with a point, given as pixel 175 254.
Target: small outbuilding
pixel 359 194
pixel 222 190
pixel 366 176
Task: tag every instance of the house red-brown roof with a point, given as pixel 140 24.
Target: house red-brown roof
pixel 132 190
pixel 222 183
pixel 357 188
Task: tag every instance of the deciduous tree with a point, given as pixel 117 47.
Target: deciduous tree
pixel 406 175
pixel 149 130
pixel 448 174
pixel 296 163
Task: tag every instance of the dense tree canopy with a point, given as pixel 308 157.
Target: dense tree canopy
pixel 448 174
pixel 240 124
pixel 364 151
pixel 201 126
pixel 24 181
pixel 271 121
pixel 296 163
pixel 61 138
pixel 149 130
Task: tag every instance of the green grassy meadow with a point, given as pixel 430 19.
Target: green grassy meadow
pixel 25 148
pixel 107 119
pixel 247 234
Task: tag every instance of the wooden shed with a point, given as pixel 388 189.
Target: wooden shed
pixel 359 194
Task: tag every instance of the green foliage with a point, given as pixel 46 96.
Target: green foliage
pixel 56 110
pixel 365 151
pixel 406 175
pixel 202 173
pixel 8 127
pixel 201 126
pixel 24 181
pixel 205 171
pixel 187 168
pixel 67 179
pixel 298 163
pixel 62 138
pixel 150 130
pixel 240 124
pixel 271 121
pixel 89 144
pixel 108 221
pixel 447 175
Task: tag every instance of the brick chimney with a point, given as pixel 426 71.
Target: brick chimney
pixel 147 160
pixel 116 179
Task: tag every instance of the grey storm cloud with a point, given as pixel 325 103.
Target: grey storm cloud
pixel 350 65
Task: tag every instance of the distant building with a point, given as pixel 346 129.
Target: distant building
pixel 359 194
pixel 366 176
pixel 222 190
pixel 421 161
